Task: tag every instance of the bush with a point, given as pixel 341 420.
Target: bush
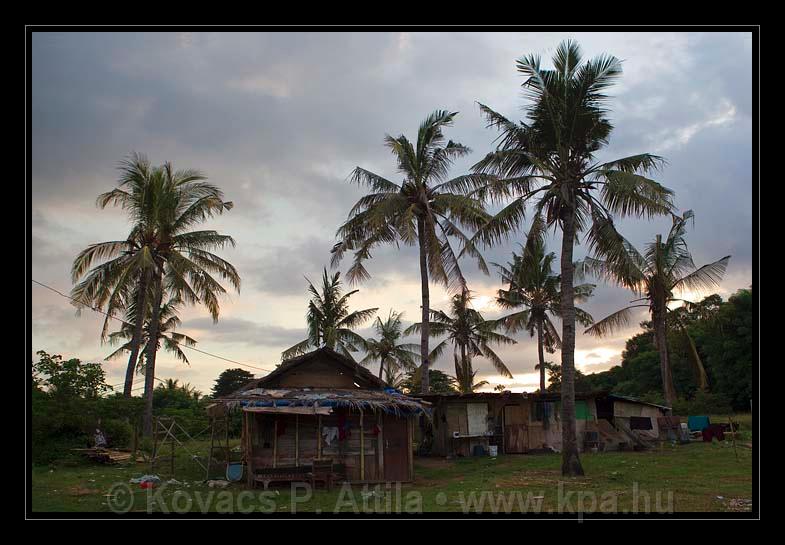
pixel 703 403
pixel 119 433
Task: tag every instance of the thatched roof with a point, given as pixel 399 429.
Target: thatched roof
pixel 266 395
pixel 386 400
pixel 363 375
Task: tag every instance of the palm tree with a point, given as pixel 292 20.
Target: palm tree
pixel 470 334
pixel 677 319
pixel 425 209
pixel 170 384
pixel 533 286
pixel 164 204
pixel 168 322
pixel 664 268
pixel 548 161
pixel 392 355
pixel 329 321
pixel 128 266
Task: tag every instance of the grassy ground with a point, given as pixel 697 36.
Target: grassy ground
pixel 692 477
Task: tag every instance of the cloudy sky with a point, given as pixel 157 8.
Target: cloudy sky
pixel 280 120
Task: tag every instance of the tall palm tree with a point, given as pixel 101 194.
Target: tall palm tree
pixel 663 269
pixel 329 321
pixel 470 334
pixel 549 162
pixel 164 205
pixel 393 356
pixel 531 285
pixel 168 322
pixel 424 209
pixel 128 266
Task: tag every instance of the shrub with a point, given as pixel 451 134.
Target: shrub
pixel 703 403
pixel 119 433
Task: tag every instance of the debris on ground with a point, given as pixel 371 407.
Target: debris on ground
pixel 155 479
pixel 105 455
pixel 739 504
pixel 217 483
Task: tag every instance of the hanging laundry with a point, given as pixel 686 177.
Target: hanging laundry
pixel 344 432
pixel 712 431
pixel 330 434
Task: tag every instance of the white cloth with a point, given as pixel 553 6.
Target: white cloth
pixel 329 433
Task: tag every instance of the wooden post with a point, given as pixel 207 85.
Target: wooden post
pixel 380 445
pixel 275 443
pixel 362 448
pixel 171 439
pixel 155 444
pixel 319 437
pixel 248 448
pixel 228 457
pixel 135 445
pixel 297 440
pixel 409 428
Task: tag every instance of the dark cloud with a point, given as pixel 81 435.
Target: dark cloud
pixel 279 120
pixel 240 331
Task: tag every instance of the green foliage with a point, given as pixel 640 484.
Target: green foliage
pixel 470 334
pixel 329 321
pixel 440 383
pixel 119 433
pixel 71 378
pixel 722 332
pixel 392 355
pixel 231 380
pixel 703 403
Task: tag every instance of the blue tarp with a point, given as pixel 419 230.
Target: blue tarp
pixel 697 423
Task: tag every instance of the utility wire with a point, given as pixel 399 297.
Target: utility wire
pixel 80 304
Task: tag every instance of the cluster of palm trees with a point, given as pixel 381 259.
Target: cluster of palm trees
pixel 164 263
pixel 544 167
pixel 543 175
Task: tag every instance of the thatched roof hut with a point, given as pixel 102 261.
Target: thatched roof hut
pixel 323 405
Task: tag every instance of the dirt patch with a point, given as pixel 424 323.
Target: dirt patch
pixel 538 478
pixel 82 491
pixel 434 463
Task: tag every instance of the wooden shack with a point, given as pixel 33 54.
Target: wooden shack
pixel 324 406
pixel 520 423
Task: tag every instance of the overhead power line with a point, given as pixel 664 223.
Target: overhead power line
pixel 98 310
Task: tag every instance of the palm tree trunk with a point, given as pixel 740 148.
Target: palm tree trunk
pixel 703 380
pixel 466 374
pixel 571 463
pixel 136 340
pixel 381 368
pixel 541 355
pixel 425 330
pixel 150 353
pixel 661 340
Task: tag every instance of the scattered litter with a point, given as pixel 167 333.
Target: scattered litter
pixel 739 504
pixel 173 481
pixel 145 479
pixel 217 483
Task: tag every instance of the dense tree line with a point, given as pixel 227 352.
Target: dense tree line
pixel 722 335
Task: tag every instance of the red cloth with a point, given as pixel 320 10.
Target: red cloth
pixel 343 428
pixel 712 431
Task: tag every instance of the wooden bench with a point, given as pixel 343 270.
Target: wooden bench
pixel 267 475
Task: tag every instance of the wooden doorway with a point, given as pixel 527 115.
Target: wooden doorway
pixel 516 431
pixel 396 444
